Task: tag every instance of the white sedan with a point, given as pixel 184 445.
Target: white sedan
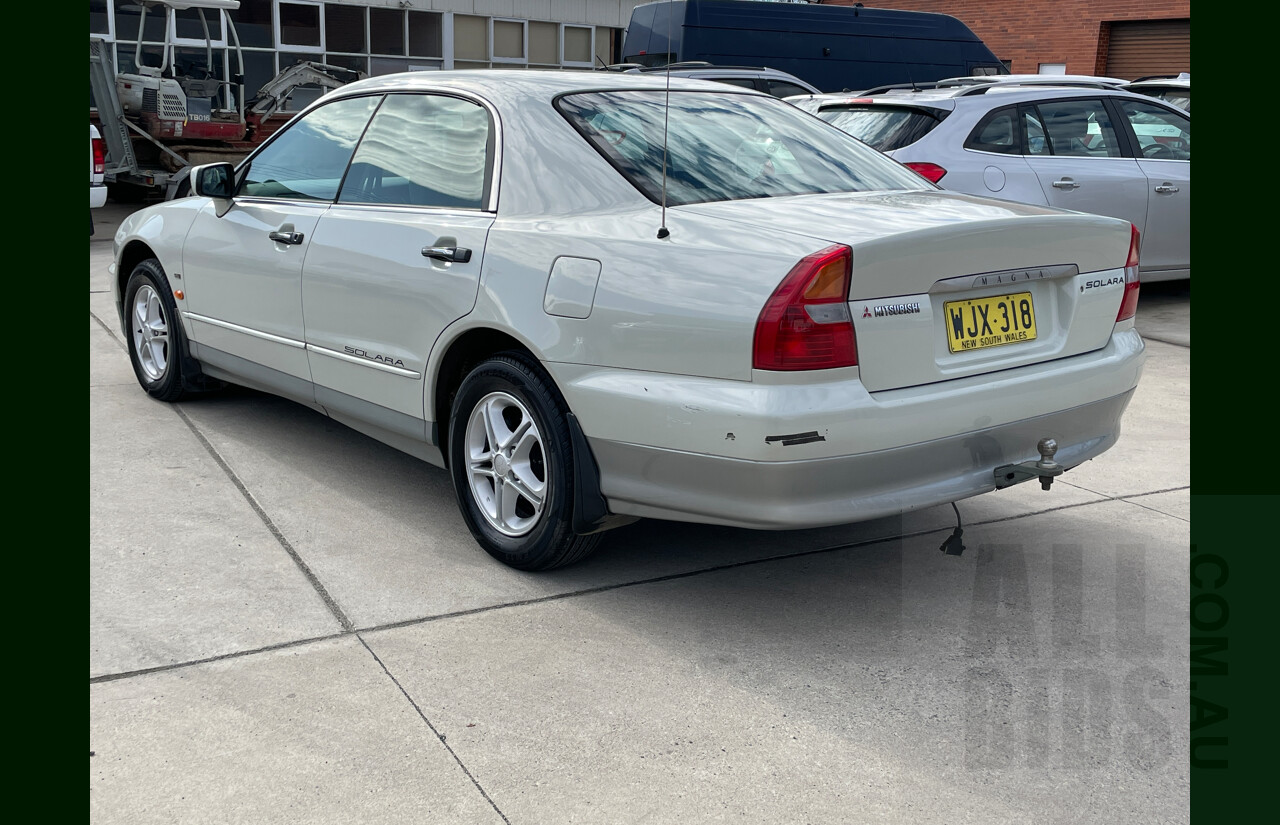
pixel 478 269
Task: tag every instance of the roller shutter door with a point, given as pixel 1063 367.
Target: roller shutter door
pixel 1146 47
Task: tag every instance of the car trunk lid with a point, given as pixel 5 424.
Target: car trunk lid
pixel 947 285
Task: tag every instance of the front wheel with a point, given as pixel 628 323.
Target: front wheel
pixel 155 346
pixel 511 458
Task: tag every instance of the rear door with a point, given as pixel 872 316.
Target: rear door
pixel 1078 157
pixel 1162 138
pixel 397 258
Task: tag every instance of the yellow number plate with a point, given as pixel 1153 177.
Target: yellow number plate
pixel 990 322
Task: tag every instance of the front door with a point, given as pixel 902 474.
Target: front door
pixel 242 270
pixel 1163 138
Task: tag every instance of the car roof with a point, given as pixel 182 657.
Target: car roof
pixel 700 69
pixel 1181 81
pixel 510 84
pixel 950 98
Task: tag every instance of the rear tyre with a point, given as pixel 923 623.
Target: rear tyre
pixel 156 345
pixel 511 458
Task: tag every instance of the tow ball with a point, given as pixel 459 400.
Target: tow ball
pixel 1046 469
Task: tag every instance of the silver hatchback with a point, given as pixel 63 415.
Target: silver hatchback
pixel 1098 150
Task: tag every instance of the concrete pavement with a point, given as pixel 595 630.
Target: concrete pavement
pixel 290 623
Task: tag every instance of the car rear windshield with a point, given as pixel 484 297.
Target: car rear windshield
pixel 726 146
pixel 883 127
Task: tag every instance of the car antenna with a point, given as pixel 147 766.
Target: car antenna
pixel 912 79
pixel 663 232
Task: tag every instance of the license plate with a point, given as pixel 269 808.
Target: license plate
pixel 990 322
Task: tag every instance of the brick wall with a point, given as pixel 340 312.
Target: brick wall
pixel 1036 31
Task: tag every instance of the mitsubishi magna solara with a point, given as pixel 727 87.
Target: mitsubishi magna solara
pixel 477 268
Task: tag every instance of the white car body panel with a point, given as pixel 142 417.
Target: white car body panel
pixel 655 357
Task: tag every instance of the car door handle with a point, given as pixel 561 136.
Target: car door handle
pixel 1065 183
pixel 452 254
pixel 1166 188
pixel 286 237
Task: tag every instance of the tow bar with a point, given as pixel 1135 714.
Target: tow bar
pixel 1046 469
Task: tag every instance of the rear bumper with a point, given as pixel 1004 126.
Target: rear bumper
pixel 788 456
pixel 97 195
pixel 668 484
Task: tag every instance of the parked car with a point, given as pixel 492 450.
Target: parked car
pixel 1101 150
pixel 769 81
pixel 1172 89
pixel 496 272
pixel 97 172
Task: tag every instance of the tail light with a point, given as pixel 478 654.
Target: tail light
pixel 1129 303
pixel 931 172
pixel 805 324
pixel 99 156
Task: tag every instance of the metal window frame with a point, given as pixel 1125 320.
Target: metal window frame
pixel 291 47
pixel 591 50
pixel 523 60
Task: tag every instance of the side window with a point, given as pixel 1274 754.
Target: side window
pixel 1079 128
pixel 782 88
pixel 1037 143
pixel 744 82
pixel 1161 134
pixel 997 132
pixel 422 150
pixel 307 161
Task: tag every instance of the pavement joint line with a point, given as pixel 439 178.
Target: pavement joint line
pixel 437 733
pixel 108 330
pixel 1153 509
pixel 222 657
pixel 604 588
pixel 271 525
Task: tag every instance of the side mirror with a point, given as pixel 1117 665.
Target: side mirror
pixel 213 180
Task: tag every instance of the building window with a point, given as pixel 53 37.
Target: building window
pixel 1053 68
pixel 544 44
pixel 344 29
pixel 470 41
pixel 298 26
pixel 253 23
pixel 577 46
pixel 100 18
pixel 189 28
pixel 425 34
pixel 604 46
pixel 509 41
pixel 387 31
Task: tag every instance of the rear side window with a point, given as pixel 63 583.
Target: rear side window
pixel 1079 127
pixel 883 127
pixel 744 82
pixel 422 150
pixel 997 132
pixel 781 88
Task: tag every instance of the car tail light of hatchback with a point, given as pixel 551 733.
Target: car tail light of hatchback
pixel 1129 303
pixel 931 172
pixel 805 324
pixel 99 156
